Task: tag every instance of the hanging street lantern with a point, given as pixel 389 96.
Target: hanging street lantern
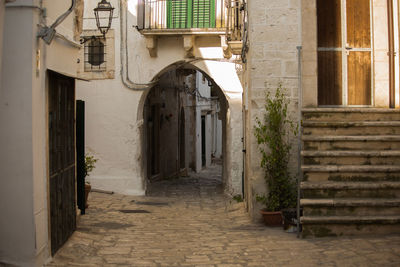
pixel 104 14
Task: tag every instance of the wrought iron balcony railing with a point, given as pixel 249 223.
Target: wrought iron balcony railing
pixel 235 22
pixel 182 14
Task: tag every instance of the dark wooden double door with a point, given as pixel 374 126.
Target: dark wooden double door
pixel 344 53
pixel 61 106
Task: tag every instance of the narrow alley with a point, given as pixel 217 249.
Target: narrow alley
pixel 190 222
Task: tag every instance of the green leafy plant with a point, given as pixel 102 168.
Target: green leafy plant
pixel 272 134
pixel 90 164
pixel 238 198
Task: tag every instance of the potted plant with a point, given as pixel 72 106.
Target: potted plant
pixel 90 164
pixel 273 138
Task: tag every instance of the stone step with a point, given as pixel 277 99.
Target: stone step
pixel 350 206
pixel 351 202
pixel 363 138
pixel 351 114
pixel 351 168
pixel 394 219
pixel 350 185
pixel 328 190
pixel 329 142
pixel 353 153
pixel 351 176
pixel 351 128
pixel 351 157
pixel 318 226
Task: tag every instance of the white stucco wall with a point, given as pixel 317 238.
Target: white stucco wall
pixel 17 227
pixel 114 113
pixel 24 228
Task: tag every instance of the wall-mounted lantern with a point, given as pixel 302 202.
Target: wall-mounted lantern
pixel 104 15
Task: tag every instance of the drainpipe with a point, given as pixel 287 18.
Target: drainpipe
pixel 300 105
pixel 391 55
pixel 48 33
pixel 124 53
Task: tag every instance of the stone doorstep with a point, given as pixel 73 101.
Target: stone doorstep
pixel 386 138
pixel 352 114
pixel 348 124
pixel 350 153
pixel 351 202
pixel 350 219
pixel 349 110
pixel 350 168
pixel 349 185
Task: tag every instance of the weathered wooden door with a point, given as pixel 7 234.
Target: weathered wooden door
pixel 153 130
pixel 203 140
pixel 182 139
pixel 344 52
pixel 80 155
pixel 61 158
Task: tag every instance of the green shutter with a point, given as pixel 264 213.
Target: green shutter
pixel 179 12
pixel 190 14
pixel 204 14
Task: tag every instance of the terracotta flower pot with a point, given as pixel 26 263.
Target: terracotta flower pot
pixel 88 187
pixel 272 218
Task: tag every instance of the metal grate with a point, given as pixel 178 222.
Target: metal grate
pixel 95 54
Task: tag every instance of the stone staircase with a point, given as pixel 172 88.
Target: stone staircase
pixel 351 171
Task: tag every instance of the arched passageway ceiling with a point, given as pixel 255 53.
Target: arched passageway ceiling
pixel 223 73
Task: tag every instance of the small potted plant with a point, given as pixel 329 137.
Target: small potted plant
pixel 90 164
pixel 273 138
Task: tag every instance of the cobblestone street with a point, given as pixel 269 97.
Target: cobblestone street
pixel 189 222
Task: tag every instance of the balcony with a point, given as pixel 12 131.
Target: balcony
pixel 190 18
pixel 173 17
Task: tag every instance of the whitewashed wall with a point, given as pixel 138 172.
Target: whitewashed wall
pixel 114 113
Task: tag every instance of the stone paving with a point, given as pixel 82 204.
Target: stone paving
pixel 189 222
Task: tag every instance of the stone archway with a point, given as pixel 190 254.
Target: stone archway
pixel 223 75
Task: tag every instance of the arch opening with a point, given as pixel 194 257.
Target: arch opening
pixel 184 126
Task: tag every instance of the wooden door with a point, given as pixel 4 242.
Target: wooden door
pixel 182 139
pixel 80 155
pixel 203 140
pixel 153 138
pixel 344 52
pixel 61 158
pixel 358 51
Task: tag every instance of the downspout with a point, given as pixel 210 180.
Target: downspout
pixel 391 54
pixel 48 33
pixel 300 106
pixel 124 53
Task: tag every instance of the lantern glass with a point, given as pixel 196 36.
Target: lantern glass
pixel 104 14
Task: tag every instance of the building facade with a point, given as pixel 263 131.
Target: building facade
pixel 150 47
pixel 338 61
